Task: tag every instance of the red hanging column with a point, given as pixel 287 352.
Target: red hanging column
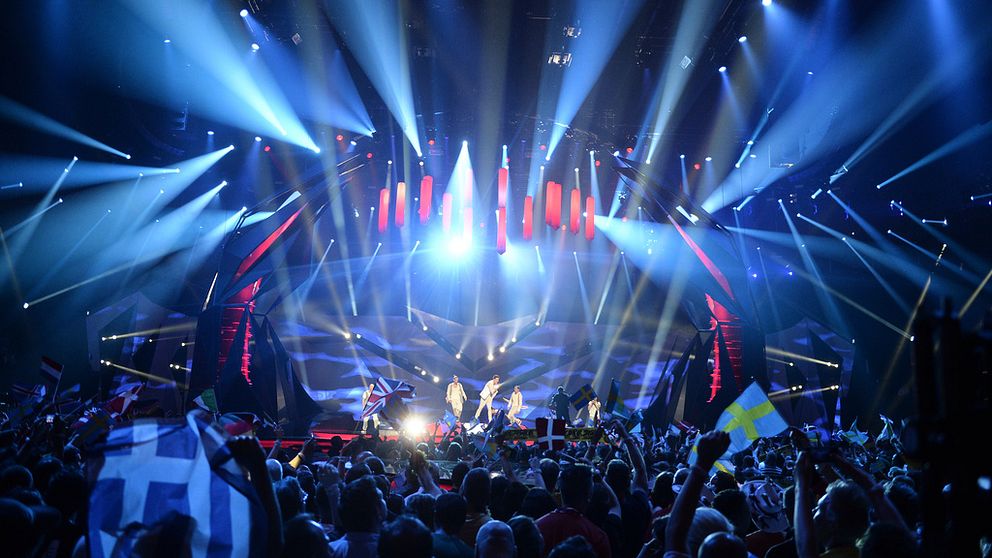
pixel 555 200
pixel 426 187
pixel 590 217
pixel 383 209
pixel 400 204
pixel 549 193
pixel 501 188
pixel 573 210
pixel 501 231
pixel 446 212
pixel 528 217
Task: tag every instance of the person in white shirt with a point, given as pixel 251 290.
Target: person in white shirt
pixel 456 397
pixel 594 413
pixel 486 398
pixel 516 403
pixel 375 417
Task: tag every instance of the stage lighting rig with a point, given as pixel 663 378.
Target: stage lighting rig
pixel 571 31
pixel 560 59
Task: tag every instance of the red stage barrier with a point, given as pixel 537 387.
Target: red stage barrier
pixel 504 176
pixel 548 196
pixel 555 200
pixel 573 210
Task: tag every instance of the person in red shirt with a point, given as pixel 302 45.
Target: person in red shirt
pixel 575 485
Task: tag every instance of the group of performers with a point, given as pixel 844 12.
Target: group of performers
pixel 455 396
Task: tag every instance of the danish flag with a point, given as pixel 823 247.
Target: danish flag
pixel 550 433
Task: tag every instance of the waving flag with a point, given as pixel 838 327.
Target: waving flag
pixel 614 406
pixel 51 371
pixel 89 427
pixel 854 435
pixel 582 397
pixel 749 417
pixel 22 393
pixel 120 404
pixel 153 470
pixel 383 391
pixel 550 433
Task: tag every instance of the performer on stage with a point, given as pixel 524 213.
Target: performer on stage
pixel 516 402
pixel 593 408
pixel 560 405
pixel 456 397
pixel 375 418
pixel 487 394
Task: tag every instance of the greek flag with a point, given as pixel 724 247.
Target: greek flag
pixel 159 471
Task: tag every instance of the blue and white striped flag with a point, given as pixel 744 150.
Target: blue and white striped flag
pixel 155 469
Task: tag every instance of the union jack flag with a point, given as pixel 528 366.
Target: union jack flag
pixel 382 391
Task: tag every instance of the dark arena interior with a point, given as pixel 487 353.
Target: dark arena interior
pixel 613 278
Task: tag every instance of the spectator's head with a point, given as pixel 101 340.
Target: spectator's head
pixel 575 484
pixel 905 500
pixel 679 479
pixel 15 477
pixel 549 472
pixel 458 473
pixel 561 389
pixel 476 489
pixel 356 472
pixel 510 503
pixel 733 505
pixel 661 493
pixel 67 492
pixel 885 540
pixel 450 510
pixel 290 496
pixel 275 469
pixel 537 503
pixel 526 535
pixel 497 489
pixel 495 540
pixel 361 507
pixel 44 470
pixel 375 465
pixel 705 522
pixel 722 545
pixel 422 506
pixel 382 483
pixel 721 481
pixel 405 537
pixel 841 515
pixel 453 453
pixel 394 506
pixel 304 539
pixel 618 477
pixel 17 529
pixel 573 547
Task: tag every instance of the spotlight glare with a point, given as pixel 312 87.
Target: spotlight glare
pixel 766 3
pixel 722 69
pixel 243 13
pixel 167 41
pixel 682 156
pixel 210 132
pixel 254 47
pixel 709 159
pixel 742 39
pixel 26 305
pixel 257 138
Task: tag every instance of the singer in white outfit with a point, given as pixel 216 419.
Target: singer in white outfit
pixel 456 397
pixel 487 394
pixel 516 403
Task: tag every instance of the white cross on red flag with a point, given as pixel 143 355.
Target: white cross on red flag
pixel 550 433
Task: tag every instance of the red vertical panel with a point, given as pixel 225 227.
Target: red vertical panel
pixel 503 178
pixel 426 188
pixel 400 204
pixel 501 231
pixel 528 217
pixel 549 193
pixel 573 210
pixel 556 205
pixel 467 212
pixel 446 212
pixel 590 218
pixel 383 209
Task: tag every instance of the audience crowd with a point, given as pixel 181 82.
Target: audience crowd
pixel 627 496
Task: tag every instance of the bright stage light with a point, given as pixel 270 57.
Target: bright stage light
pixel 26 305
pixel 682 156
pixel 415 425
pixel 708 159
pixel 316 149
pixel 243 13
pixel 502 349
pixel 490 357
pixel 722 69
pixel 254 47
pixel 210 132
pixel 257 138
pixel 458 356
pixel 167 41
pixel 766 3
pixel 742 39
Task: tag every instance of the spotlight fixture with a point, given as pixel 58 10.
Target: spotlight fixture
pixel 243 13
pixel 766 3
pixel 254 47
pixel 742 39
pixel 722 69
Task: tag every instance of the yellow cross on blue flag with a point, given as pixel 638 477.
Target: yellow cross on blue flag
pixel 749 417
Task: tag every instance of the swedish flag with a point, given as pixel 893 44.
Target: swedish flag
pixel 749 417
pixel 583 396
